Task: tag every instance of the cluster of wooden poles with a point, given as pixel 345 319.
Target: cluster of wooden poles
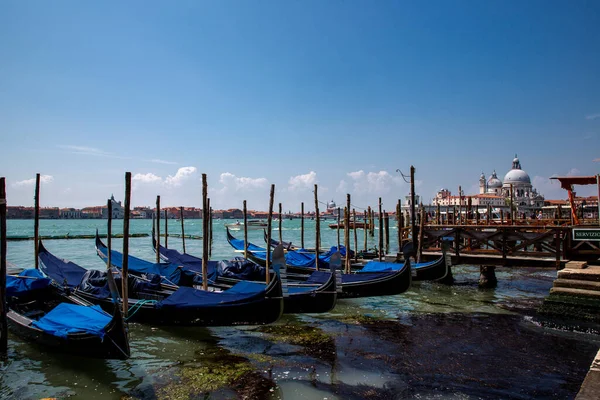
pixel 206 235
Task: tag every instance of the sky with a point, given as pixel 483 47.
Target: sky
pixel 343 94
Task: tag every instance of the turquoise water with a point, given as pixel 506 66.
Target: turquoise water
pixel 434 341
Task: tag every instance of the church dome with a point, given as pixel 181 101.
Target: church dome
pixel 494 182
pixel 331 204
pixel 516 175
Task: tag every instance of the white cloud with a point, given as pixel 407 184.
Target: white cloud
pixel 373 182
pixel 596 160
pixel 574 172
pixel 159 161
pixel 592 117
pixel 31 182
pixel 356 175
pixel 342 187
pixel 232 182
pixel 146 178
pixel 88 151
pixel 302 182
pixel 182 175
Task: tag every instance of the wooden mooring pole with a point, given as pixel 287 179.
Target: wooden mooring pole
pixel 279 227
pixel 3 306
pixel 366 230
pixel 205 234
pixel 338 228
pixel 269 232
pixel 380 220
pixel 36 222
pixel 355 235
pixel 460 219
pixel 386 225
pixel 348 259
pixel 246 232
pixel 399 224
pixel 182 228
pixel 166 229
pixel 317 229
pixel 302 225
pixel 413 215
pixel 421 229
pixel 157 229
pixel 125 268
pixel 347 240
pixel 109 235
pixel 210 228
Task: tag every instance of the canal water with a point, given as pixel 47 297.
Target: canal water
pixel 432 342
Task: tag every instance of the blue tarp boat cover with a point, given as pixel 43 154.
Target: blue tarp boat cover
pixel 247 287
pixel 170 271
pixel 64 272
pixel 300 258
pixel 382 266
pixel 18 286
pixel 91 281
pixel 238 267
pixel 67 318
pixel 187 297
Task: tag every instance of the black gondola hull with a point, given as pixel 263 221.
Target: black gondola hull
pixel 114 344
pixel 389 284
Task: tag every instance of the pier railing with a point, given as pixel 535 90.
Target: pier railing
pixel 509 244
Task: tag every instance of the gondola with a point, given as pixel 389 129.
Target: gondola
pixel 39 313
pixel 156 302
pixel 353 285
pixel 302 298
pixel 297 261
pixel 289 246
pixel 436 270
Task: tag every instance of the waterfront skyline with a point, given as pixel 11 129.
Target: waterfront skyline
pixel 255 94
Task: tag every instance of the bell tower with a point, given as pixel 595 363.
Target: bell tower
pixel 482 185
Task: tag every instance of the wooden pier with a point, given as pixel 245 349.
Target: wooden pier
pixel 509 245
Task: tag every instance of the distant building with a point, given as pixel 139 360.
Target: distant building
pixel 19 212
pixel 69 213
pixel 232 213
pixel 91 212
pixel 49 213
pixel 117 209
pixel 143 212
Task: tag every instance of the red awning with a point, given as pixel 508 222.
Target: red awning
pixel 567 181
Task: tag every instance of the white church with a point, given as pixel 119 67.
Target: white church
pixel 496 193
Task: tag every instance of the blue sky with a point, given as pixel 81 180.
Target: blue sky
pixel 339 93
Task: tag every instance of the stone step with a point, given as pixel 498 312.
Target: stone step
pixel 577 284
pixel 588 274
pixel 575 292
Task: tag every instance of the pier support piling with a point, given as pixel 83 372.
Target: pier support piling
pixel 487 277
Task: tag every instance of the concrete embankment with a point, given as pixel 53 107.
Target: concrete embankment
pixel 590 389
